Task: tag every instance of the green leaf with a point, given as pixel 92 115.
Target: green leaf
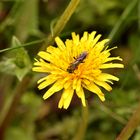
pixel 17 62
pixel 27 19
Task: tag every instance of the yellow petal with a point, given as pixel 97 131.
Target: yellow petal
pixel 75 83
pixel 67 84
pixel 89 42
pixel 80 94
pixel 78 87
pixel 85 36
pixel 66 93
pixel 42 64
pixel 89 77
pixel 40 69
pixel 48 80
pixel 68 99
pixel 106 76
pixel 55 87
pixel 60 43
pixel 100 45
pixel 61 102
pixel 42 79
pixel 75 38
pixel 85 81
pixel 104 85
pixel 91 36
pixel 45 55
pixel 111 65
pixel 96 40
pixel 113 58
pixel 50 49
pixel 93 88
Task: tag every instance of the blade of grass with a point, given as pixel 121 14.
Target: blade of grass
pixel 122 19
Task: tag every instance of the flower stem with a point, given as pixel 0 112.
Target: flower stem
pixel 61 22
pixel 132 124
pixel 83 124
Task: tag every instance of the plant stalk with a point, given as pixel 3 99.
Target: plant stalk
pixel 61 23
pixel 83 124
pixel 131 126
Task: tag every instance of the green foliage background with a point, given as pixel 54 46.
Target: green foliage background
pixel 24 24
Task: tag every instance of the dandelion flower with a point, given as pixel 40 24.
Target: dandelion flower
pixel 76 64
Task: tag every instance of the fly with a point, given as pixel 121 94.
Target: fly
pixel 77 61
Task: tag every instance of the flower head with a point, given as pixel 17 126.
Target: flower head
pixel 75 65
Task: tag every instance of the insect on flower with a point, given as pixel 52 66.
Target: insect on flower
pixel 76 63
